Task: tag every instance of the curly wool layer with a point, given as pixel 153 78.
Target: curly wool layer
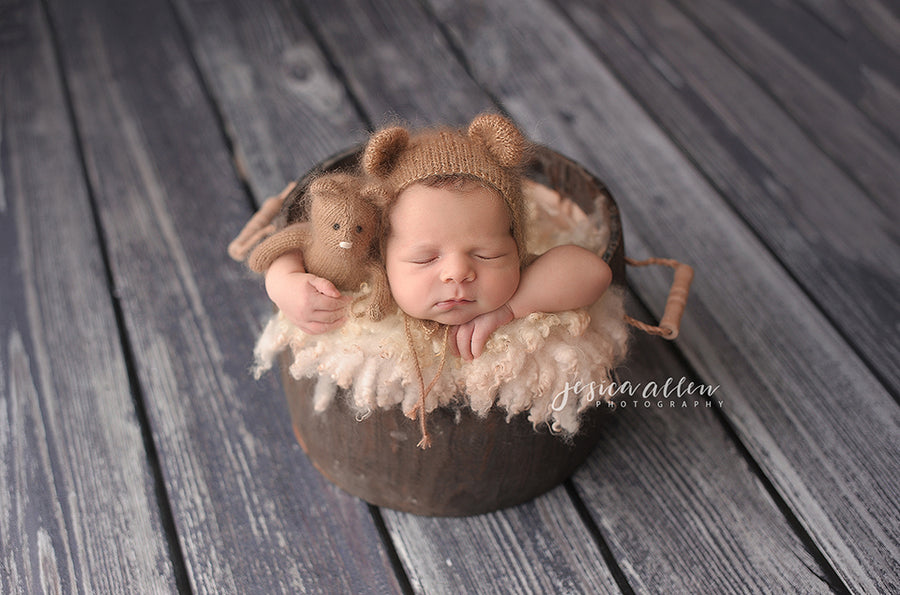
pixel 525 365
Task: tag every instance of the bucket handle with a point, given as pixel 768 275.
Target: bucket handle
pixel 670 323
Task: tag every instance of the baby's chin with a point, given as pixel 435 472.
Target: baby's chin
pixel 453 317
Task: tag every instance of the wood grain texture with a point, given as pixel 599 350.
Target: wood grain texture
pixel 538 547
pixel 283 108
pixel 251 513
pixel 852 46
pixel 398 64
pixel 822 428
pixel 819 223
pixel 869 155
pixel 78 509
pixel 770 531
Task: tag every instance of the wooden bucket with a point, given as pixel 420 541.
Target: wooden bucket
pixel 475 464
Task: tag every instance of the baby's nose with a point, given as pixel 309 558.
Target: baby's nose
pixel 457 269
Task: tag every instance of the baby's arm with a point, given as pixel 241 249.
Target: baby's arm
pixel 312 303
pixel 563 278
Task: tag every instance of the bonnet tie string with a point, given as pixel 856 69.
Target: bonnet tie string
pixel 425 442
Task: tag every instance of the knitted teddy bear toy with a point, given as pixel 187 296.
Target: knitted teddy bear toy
pixel 338 242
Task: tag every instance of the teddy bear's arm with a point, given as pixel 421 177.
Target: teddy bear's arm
pixel 381 299
pixel 292 237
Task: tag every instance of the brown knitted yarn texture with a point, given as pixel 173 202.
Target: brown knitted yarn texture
pixel 492 151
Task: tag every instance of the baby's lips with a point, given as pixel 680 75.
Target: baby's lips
pixel 453 302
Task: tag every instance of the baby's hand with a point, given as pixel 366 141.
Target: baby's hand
pixel 311 303
pixel 468 340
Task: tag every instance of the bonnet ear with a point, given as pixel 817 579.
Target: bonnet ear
pixel 375 194
pixel 382 151
pixel 500 137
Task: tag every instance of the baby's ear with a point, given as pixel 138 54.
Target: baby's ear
pixel 382 151
pixel 500 137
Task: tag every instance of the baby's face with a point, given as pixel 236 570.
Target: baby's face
pixel 450 255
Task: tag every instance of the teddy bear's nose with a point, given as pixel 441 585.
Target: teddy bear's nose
pixel 346 245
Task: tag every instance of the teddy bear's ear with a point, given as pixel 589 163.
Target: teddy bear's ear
pixel 332 184
pixel 500 137
pixel 382 151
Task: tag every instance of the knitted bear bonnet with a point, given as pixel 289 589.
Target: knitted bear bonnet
pixel 491 151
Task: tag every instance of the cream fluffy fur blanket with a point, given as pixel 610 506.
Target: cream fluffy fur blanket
pixel 526 363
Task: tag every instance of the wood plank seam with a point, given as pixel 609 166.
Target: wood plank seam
pixel 240 169
pixel 608 556
pixel 396 562
pixel 336 69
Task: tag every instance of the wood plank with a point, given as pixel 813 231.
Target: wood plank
pixel 832 39
pixel 833 14
pixel 769 533
pixel 795 198
pixel 881 20
pixel 251 513
pixel 786 373
pixel 867 153
pixel 871 28
pixel 426 561
pixel 541 546
pixel 78 507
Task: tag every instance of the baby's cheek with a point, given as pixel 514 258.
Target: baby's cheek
pixel 404 288
pixel 511 282
pixel 508 289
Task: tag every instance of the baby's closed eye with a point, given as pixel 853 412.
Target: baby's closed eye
pixel 491 254
pixel 422 259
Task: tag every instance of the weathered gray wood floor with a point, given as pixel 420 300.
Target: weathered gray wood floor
pixel 757 140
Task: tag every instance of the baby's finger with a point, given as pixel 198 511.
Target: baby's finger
pixel 464 341
pixel 479 340
pixel 325 287
pixel 327 303
pixel 327 316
